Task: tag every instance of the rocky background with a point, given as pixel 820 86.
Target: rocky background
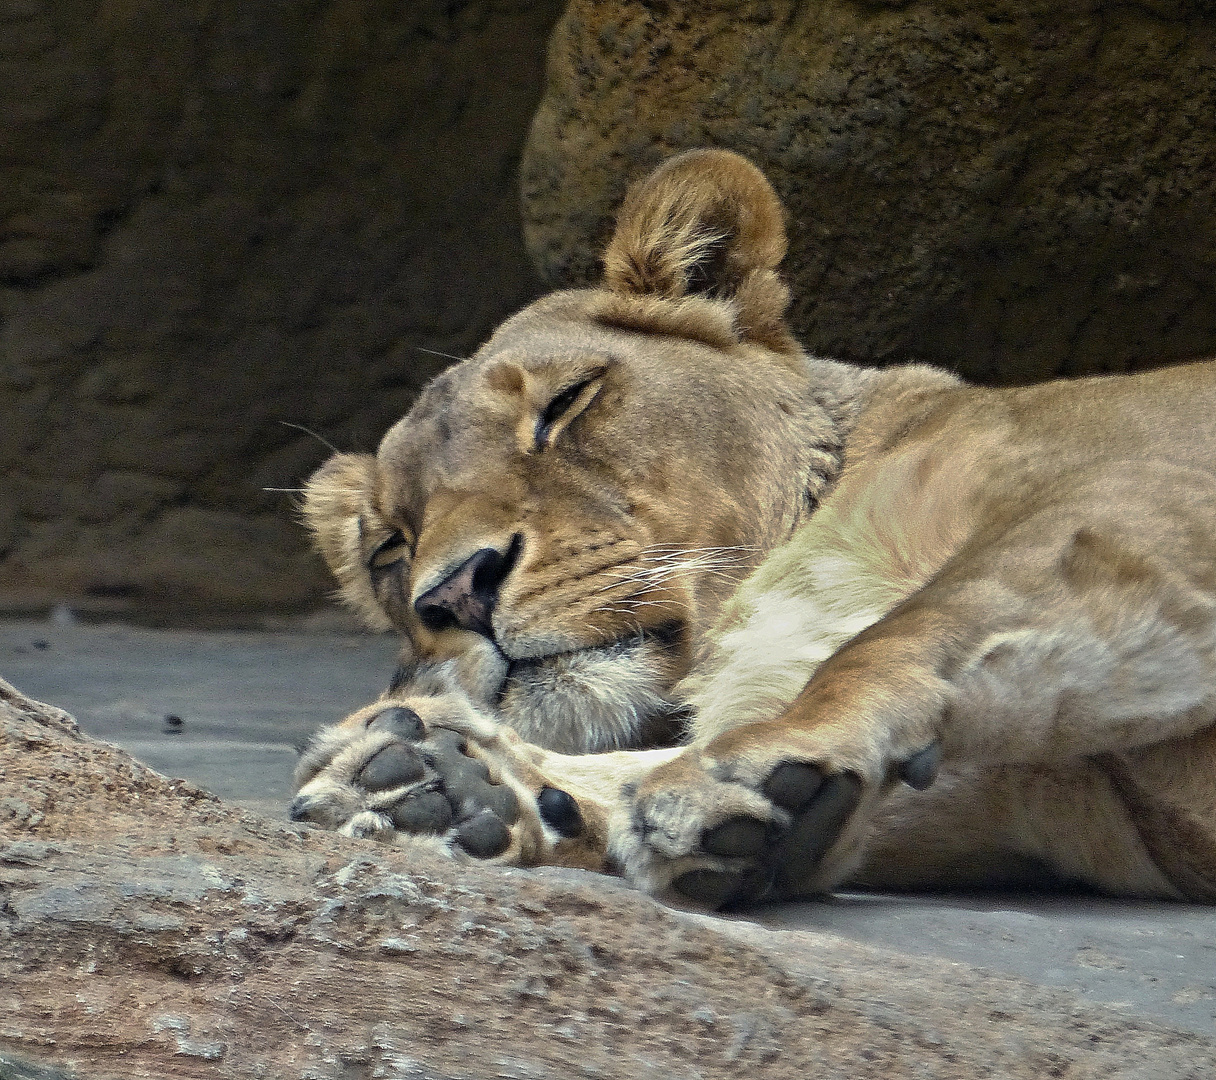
pixel 216 217
pixel 1011 189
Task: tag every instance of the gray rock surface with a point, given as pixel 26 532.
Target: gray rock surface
pixel 218 216
pixel 151 931
pixel 1012 190
pixel 246 699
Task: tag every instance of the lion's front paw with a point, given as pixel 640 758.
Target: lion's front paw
pixel 454 781
pixel 755 816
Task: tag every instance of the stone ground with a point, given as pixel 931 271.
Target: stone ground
pixel 246 700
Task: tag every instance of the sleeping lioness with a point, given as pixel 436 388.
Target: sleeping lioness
pixel 680 600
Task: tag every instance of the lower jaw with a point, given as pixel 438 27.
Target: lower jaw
pixel 607 697
pixel 668 637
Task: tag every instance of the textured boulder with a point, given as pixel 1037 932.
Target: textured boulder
pixel 148 931
pixel 218 216
pixel 1011 189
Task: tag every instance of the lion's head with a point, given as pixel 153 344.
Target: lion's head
pixel 559 517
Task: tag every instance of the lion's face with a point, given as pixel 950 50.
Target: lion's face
pixel 558 517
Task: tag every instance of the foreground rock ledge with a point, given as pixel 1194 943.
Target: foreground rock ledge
pixel 147 930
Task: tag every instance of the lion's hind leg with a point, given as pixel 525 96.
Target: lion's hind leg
pixel 1170 792
pixel 1019 827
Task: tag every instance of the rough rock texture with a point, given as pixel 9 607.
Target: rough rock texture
pixel 146 930
pixel 215 216
pixel 1011 189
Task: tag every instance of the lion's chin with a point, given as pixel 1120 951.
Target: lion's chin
pixel 606 697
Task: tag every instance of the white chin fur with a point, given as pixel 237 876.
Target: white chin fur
pixel 590 701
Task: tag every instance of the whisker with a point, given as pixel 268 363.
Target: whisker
pixel 295 491
pixel 616 604
pixel 309 431
pixel 436 352
pixel 674 549
pixel 655 576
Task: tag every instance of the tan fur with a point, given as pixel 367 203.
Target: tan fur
pixel 846 569
pixel 334 505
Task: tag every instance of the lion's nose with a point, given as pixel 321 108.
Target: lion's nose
pixel 466 597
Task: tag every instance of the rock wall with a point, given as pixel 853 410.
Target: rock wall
pixel 1011 189
pixel 216 217
pixel 220 217
pixel 149 931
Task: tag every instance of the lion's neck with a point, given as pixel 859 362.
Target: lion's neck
pixel 889 402
pixel 837 397
pixel 852 411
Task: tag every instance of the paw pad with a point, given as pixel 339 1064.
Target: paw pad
pixel 559 811
pixel 445 791
pixel 428 812
pixel 814 830
pixel 400 723
pixel 920 770
pixel 484 835
pixel 393 766
pixel 793 785
pixel 771 860
pixel 740 837
pixel 721 889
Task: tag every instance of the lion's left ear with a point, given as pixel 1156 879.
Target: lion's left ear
pixel 335 501
pixel 705 223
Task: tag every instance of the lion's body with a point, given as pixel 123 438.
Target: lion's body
pixel 993 462
pixel 643 498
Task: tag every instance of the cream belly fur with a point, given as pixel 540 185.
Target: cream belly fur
pixel 918 634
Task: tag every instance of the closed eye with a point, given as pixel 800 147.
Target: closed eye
pixel 564 408
pixel 389 553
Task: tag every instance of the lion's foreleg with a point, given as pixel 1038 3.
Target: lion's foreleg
pixel 1052 647
pixel 586 796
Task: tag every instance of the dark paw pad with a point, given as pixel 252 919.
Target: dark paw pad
pixel 400 723
pixel 741 837
pixel 393 766
pixel 502 800
pixel 793 785
pixel 484 835
pixel 814 830
pixel 446 741
pixel 920 770
pixel 723 888
pixel 467 784
pixel 463 777
pixel 559 811
pixel 428 812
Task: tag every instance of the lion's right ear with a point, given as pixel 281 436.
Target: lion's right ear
pixel 336 499
pixel 706 223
